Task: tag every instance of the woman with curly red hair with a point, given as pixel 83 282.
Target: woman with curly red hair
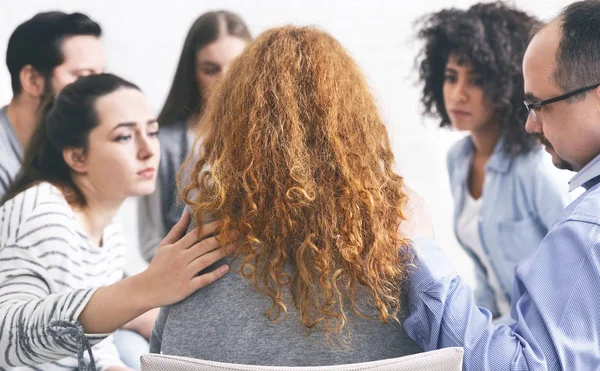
pixel 298 163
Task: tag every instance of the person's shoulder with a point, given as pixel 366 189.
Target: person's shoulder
pixel 172 131
pixel 40 205
pixel 460 149
pixel 7 134
pixel 530 160
pixel 535 166
pixel 35 197
pixel 586 208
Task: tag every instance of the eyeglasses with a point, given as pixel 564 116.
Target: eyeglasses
pixel 533 106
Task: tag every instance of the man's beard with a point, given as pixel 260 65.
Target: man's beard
pixel 557 161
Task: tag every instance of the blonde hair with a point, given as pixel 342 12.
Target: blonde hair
pixel 298 160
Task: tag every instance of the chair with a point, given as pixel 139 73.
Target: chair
pixel 448 359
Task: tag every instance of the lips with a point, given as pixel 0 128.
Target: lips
pixel 456 112
pixel 146 173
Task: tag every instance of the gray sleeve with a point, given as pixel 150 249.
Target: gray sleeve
pixel 157 331
pixel 151 226
pixel 5 181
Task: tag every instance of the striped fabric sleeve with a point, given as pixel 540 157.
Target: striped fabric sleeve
pixel 557 309
pixel 38 325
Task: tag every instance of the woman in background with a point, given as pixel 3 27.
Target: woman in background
pixel 505 197
pixel 213 42
pixel 62 252
pixel 297 159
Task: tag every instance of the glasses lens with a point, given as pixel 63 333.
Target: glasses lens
pixel 531 112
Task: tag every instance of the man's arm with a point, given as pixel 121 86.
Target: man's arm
pixel 557 313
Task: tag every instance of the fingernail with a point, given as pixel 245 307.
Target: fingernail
pixel 224 269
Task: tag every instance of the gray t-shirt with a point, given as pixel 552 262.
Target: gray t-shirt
pixel 11 153
pixel 226 322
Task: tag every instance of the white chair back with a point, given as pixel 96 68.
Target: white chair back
pixel 447 359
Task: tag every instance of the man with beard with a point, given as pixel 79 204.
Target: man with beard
pixel 44 54
pixel 556 296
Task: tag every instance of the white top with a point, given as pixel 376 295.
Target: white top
pixel 468 233
pixel 49 270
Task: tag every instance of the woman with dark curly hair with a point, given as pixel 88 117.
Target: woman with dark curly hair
pixel 299 162
pixel 504 196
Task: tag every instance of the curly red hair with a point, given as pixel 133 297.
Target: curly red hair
pixel 298 160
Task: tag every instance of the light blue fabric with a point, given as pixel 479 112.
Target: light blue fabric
pixel 131 346
pixel 521 201
pixel 556 302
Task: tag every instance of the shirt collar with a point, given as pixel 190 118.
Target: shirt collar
pixel 584 176
pixel 499 162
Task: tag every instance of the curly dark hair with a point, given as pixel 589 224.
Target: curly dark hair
pixel 493 37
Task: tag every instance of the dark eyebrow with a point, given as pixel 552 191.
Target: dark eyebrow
pixel 470 72
pixel 79 70
pixel 124 124
pixel 133 124
pixel 209 63
pixel 529 97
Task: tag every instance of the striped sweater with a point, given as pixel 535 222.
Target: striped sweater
pixel 49 270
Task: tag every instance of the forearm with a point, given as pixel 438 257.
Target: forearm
pixel 444 314
pixel 113 306
pixel 37 331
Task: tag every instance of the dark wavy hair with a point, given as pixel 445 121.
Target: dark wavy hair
pixel 38 42
pixel 67 122
pixel 493 37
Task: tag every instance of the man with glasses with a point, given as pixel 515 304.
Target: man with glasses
pixel 556 299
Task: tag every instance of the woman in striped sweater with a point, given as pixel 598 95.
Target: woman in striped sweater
pixel 61 253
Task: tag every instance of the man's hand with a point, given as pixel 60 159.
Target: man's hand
pixel 418 222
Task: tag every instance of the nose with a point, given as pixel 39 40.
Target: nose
pixel 147 147
pixel 459 92
pixel 533 126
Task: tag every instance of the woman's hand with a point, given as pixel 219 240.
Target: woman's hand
pixel 171 277
pixel 173 273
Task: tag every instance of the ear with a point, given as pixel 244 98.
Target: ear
pixel 32 81
pixel 75 158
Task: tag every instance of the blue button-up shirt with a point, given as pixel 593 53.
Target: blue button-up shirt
pixel 521 200
pixel 556 298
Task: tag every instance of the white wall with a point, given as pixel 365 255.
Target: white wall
pixel 143 41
